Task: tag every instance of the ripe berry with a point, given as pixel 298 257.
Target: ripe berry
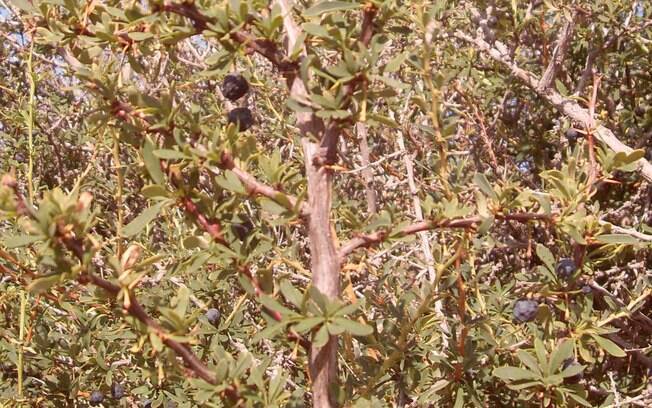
pixel 147 403
pixel 586 289
pixel 492 21
pixel 572 135
pixel 213 316
pixel 569 362
pixel 243 229
pixel 234 86
pixel 639 111
pixel 96 398
pixel 525 310
pixel 565 268
pixel 117 390
pixel 242 117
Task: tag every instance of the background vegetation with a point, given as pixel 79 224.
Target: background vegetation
pixel 439 203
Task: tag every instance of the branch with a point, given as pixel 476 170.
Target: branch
pixel 76 246
pixel 255 187
pixel 558 54
pixel 564 105
pixel 377 237
pixel 201 22
pixel 627 231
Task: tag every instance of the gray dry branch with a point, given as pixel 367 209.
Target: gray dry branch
pixel 565 105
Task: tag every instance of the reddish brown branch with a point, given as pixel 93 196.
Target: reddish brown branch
pixel 255 187
pixel 211 227
pixel 264 47
pixel 377 237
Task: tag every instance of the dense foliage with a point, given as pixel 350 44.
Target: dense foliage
pixel 327 203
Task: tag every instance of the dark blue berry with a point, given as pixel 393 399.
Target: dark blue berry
pixel 572 135
pixel 586 289
pixel 96 398
pixel 242 117
pixel 117 390
pixel 234 86
pixel 565 268
pixel 213 316
pixel 525 310
pixel 147 403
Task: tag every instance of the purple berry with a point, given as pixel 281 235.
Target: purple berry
pixel 242 117
pixel 96 397
pixel 234 86
pixel 213 316
pixel 117 390
pixel 565 268
pixel 525 310
pixel 572 135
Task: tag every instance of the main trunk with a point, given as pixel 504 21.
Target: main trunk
pixel 325 272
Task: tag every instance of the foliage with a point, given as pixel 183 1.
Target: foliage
pixel 375 199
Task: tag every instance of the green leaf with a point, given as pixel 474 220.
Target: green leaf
pixel 270 331
pixel 321 338
pixel 529 360
pixel 42 284
pixel 546 257
pixel 140 36
pixel 274 305
pixel 559 354
pixel 328 7
pixel 483 183
pixel 514 373
pixel 395 63
pixel 542 355
pixel 353 327
pixel 616 239
pixel 229 181
pixel 579 399
pixel 308 324
pixel 572 370
pixel 459 399
pixel 561 88
pixel 17 241
pixel 291 294
pixel 609 346
pixel 271 206
pixel 152 164
pixel 157 344
pixel 316 30
pixel 139 223
pixel 154 190
pixel 169 154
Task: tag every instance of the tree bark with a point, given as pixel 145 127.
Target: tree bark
pixel 325 271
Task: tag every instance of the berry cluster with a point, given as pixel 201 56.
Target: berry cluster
pixel 234 87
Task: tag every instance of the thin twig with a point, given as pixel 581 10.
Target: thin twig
pixel 564 105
